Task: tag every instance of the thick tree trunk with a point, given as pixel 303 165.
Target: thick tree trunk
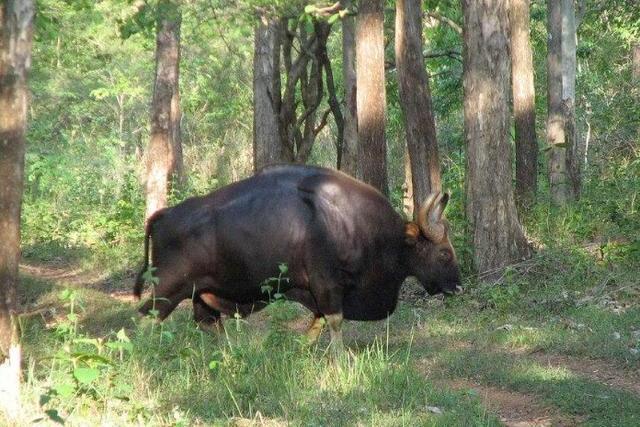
pixel 372 148
pixel 415 99
pixel 163 158
pixel 524 109
pixel 498 238
pixel 350 145
pixel 266 93
pixel 16 35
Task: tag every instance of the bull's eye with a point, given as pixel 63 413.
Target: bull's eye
pixel 445 255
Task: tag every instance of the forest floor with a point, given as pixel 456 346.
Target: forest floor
pixel 496 359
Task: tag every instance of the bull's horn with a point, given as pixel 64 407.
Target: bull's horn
pixel 438 208
pixel 429 223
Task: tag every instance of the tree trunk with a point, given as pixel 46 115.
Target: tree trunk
pixel 372 148
pixel 635 62
pixel 162 157
pixel 266 93
pixel 350 145
pixel 559 179
pixel 524 109
pixel 498 239
pixel 415 99
pixel 177 164
pixel 16 35
pixel 573 141
pixel 408 206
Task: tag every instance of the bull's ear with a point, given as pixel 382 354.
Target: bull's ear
pixel 411 233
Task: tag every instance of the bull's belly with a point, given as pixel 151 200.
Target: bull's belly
pixel 370 303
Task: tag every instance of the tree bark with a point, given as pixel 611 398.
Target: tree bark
pixel 497 235
pixel 635 62
pixel 350 145
pixel 266 93
pixel 16 35
pixel 162 155
pixel 177 163
pixel 408 205
pixel 524 109
pixel 560 184
pixel 575 147
pixel 372 149
pixel 415 100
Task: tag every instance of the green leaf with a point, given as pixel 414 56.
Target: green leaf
pixel 310 8
pixel 65 390
pixel 333 18
pixel 308 25
pixel 149 277
pixel 283 267
pixel 122 335
pixel 54 416
pixel 214 364
pixel 86 375
pixel 169 336
pixel 44 399
pixel 92 358
pixel 120 346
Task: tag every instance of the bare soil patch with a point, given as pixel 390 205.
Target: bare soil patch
pixel 515 409
pixel 604 372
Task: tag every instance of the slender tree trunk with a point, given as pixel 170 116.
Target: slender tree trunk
pixel 407 187
pixel 16 35
pixel 266 93
pixel 177 164
pixel 415 99
pixel 350 145
pixel 561 94
pixel 524 109
pixel 635 62
pixel 372 148
pixel 497 236
pixel 162 158
pixel 574 144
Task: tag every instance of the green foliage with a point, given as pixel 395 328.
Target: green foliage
pixel 83 367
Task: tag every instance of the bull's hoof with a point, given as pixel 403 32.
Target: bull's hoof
pixel 213 328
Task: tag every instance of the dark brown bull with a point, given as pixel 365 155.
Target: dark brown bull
pixel 346 249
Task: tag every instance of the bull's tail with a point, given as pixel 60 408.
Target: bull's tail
pixel 137 287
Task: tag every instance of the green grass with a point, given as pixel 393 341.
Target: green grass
pixel 91 359
pixel 175 374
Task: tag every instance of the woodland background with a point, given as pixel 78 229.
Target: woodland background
pixel 553 338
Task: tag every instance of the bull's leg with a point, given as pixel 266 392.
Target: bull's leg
pixel 170 290
pixel 328 295
pixel 164 305
pixel 205 316
pixel 305 298
pixel 315 329
pixel 335 328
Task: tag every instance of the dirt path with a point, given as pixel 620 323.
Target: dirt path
pixel 74 276
pixel 514 409
pixel 604 372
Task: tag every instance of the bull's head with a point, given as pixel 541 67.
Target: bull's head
pixel 430 255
